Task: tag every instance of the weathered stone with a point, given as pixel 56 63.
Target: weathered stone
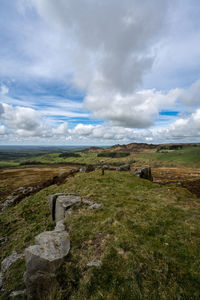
pixel 88 202
pixel 41 286
pixel 59 203
pixel 42 262
pixel 63 203
pixel 144 173
pixel 60 226
pixel 94 264
pixel 17 294
pixel 8 261
pixel 52 203
pixel 48 253
pixel 95 206
pixel 123 168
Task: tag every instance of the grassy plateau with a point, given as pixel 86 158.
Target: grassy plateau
pixel 146 235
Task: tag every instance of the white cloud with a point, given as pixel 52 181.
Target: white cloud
pixel 108 43
pixel 4 89
pixel 24 121
pixel 60 130
pixel 137 110
pixel 2 130
pixel 191 96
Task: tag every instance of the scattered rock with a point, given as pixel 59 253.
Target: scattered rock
pixel 17 294
pixel 95 206
pixel 8 261
pixel 88 202
pixel 144 173
pixel 94 264
pixel 126 167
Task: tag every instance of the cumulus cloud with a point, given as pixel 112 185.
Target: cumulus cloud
pixel 111 46
pixel 183 128
pixel 112 40
pixel 137 110
pixel 60 130
pixel 4 89
pixel 2 130
pixel 23 121
pixel 191 96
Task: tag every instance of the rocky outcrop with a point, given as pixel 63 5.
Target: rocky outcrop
pixel 144 173
pixel 126 167
pixel 60 204
pixel 51 247
pixel 43 261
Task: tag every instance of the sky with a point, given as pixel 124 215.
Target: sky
pixel 90 72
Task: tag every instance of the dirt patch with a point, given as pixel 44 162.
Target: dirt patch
pixel 174 175
pixel 12 179
pixel 193 187
pixel 188 178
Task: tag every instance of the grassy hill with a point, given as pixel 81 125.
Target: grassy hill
pixel 145 235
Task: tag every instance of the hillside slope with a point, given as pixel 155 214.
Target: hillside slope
pixel 146 237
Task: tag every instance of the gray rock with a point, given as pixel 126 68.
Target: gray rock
pixel 60 226
pixel 8 261
pixel 88 202
pixel 49 252
pixel 63 203
pixel 17 294
pixel 60 203
pixel 126 167
pixel 42 262
pixel 94 264
pixel 40 286
pixel 95 206
pixel 144 173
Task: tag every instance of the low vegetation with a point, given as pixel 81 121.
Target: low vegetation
pixel 69 154
pixel 145 235
pixel 113 154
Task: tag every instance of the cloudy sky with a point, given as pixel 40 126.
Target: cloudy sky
pixel 99 72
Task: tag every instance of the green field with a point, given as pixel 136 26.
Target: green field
pixel 145 235
pixel 188 157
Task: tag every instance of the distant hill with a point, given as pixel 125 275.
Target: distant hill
pixel 139 147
